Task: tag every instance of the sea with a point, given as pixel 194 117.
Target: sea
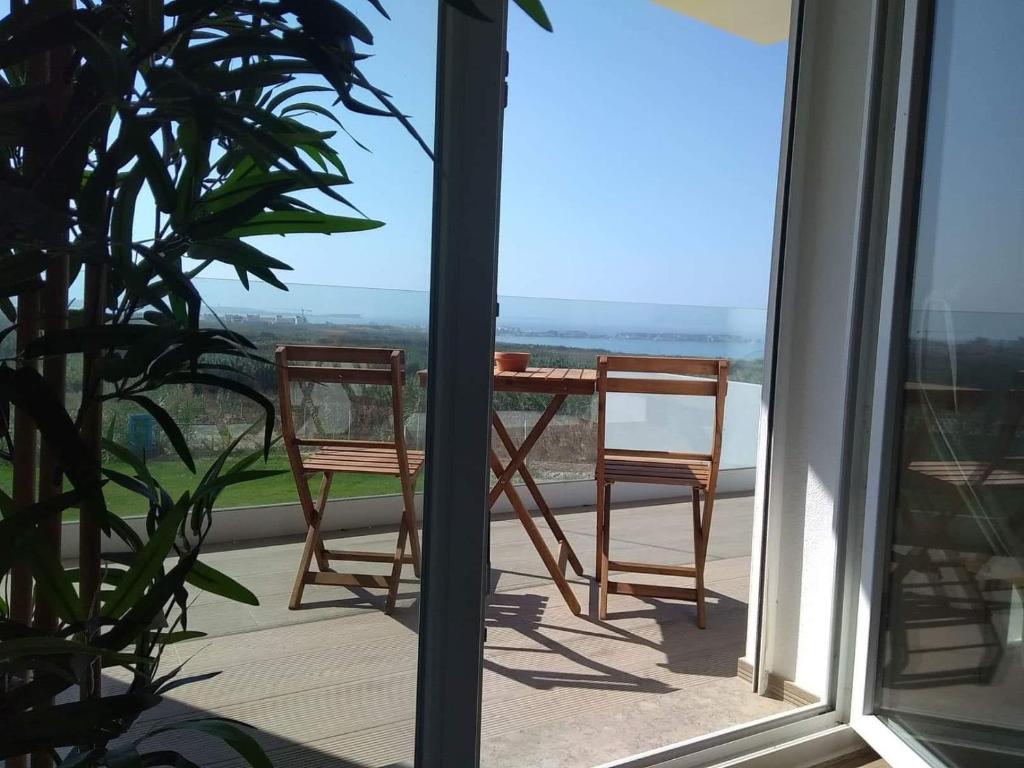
pixel 622 327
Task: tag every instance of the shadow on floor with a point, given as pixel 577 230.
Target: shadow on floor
pixel 208 751
pixel 560 665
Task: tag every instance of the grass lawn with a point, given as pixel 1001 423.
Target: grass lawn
pixel 176 478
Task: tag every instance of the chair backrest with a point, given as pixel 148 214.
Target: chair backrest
pixel 707 377
pixel 340 365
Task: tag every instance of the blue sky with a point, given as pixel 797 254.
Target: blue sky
pixel 641 156
pixel 640 164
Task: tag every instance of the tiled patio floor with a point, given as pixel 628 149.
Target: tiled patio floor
pixel 333 684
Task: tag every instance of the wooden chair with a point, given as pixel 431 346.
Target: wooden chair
pixel 698 471
pixel 343 365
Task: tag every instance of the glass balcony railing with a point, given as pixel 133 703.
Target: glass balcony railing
pixel 558 333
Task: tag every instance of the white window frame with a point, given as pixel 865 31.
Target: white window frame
pixel 889 365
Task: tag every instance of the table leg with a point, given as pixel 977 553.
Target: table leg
pixel 518 458
pixel 535 537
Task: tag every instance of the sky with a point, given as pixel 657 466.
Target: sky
pixel 640 161
pixel 641 153
pixel 970 256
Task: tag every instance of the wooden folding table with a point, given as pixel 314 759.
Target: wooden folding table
pixel 559 383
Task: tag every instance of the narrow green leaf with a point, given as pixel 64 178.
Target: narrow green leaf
pixel 19 526
pixel 52 581
pixel 9 310
pixel 139 618
pixel 308 106
pixel 146 566
pixel 123 216
pixel 227 731
pixel 148 157
pixel 182 636
pixel 170 428
pixel 535 10
pixel 259 75
pixel 209 579
pixel 287 93
pixel 291 222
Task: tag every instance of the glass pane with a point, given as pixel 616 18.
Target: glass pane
pixel 952 652
pixel 327 678
pixel 640 164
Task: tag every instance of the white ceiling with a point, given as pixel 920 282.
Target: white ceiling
pixel 763 21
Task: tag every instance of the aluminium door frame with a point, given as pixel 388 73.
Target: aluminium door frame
pixel 882 439
pixel 464 258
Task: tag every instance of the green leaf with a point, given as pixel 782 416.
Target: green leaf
pixel 18 526
pixel 209 579
pixel 259 75
pixel 185 299
pixel 9 310
pixel 287 93
pixel 227 731
pixel 140 616
pixel 147 564
pixel 51 580
pixel 308 106
pixel 123 216
pixel 238 45
pixel 75 722
pixel 83 339
pixel 181 636
pixel 156 171
pixel 236 189
pixel 535 10
pixel 26 388
pixel 170 428
pixel 178 682
pixel 35 646
pixel 271 139
pixel 244 257
pixel 291 222
pixel 125 756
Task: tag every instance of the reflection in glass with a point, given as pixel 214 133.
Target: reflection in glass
pixel 951 673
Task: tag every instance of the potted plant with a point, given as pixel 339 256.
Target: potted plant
pixel 203 107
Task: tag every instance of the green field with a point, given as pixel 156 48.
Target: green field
pixel 272 490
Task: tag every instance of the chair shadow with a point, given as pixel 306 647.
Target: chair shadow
pixel 364 598
pixel 951 619
pixel 536 637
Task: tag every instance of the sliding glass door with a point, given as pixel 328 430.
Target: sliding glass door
pixel 947 670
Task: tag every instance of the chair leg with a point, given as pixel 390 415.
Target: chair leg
pixel 312 546
pixel 396 569
pixel 604 539
pixel 409 520
pixel 699 557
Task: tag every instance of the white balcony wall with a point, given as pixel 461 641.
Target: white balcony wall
pixel 671 423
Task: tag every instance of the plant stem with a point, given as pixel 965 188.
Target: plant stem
pixel 24 461
pixel 92 433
